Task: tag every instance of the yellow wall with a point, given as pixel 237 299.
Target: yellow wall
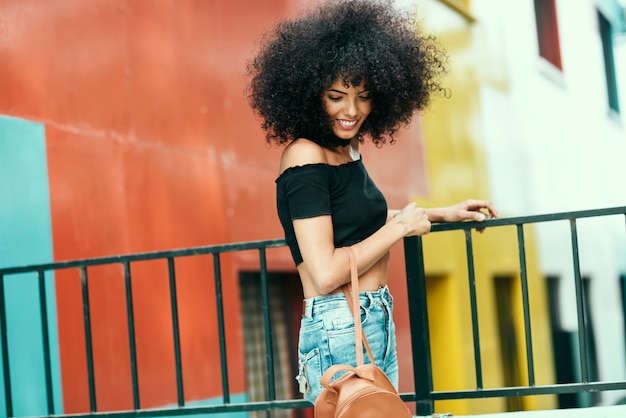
pixel 457 170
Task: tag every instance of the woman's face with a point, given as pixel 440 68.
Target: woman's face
pixel 347 108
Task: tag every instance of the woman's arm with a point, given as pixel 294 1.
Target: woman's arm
pixel 470 210
pixel 327 266
pixel 391 213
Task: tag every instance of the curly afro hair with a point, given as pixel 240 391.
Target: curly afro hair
pixel 354 40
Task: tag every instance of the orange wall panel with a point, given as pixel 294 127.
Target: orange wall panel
pixel 63 64
pixel 88 199
pixel 151 145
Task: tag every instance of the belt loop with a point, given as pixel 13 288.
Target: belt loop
pixel 384 296
pixel 307 308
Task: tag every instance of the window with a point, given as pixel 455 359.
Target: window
pixel 548 32
pixel 566 349
pixel 504 294
pixel 285 307
pixel 563 344
pixel 606 34
pixel 622 283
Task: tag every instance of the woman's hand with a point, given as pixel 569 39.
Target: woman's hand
pixel 414 219
pixel 469 210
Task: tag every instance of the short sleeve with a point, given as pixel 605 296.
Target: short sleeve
pixel 305 190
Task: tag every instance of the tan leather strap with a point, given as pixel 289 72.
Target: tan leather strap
pixel 362 372
pixel 355 307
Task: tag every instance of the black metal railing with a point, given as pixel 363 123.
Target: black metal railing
pixel 424 395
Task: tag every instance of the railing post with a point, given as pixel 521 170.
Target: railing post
pixel 6 365
pixel 132 346
pixel 171 267
pixel 580 305
pixel 219 306
pixel 418 320
pixel 45 338
pixel 91 377
pixel 269 343
pixel 471 275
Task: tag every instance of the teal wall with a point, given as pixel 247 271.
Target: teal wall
pixel 26 238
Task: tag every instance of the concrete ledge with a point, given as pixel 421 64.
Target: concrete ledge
pixel 617 411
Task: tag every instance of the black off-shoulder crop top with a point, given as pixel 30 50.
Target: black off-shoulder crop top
pixel 346 192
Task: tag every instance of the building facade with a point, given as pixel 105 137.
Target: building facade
pixel 124 127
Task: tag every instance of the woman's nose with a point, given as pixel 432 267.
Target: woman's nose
pixel 351 108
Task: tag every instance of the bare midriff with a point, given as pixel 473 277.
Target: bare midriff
pixel 371 280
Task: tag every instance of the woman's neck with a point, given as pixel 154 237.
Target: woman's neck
pixel 343 154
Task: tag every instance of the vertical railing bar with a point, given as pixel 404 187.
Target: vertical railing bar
pixel 88 340
pixel 530 363
pixel 474 309
pixel 219 304
pixel 45 339
pixel 269 350
pixel 176 329
pixel 582 329
pixel 132 344
pixel 418 322
pixel 5 350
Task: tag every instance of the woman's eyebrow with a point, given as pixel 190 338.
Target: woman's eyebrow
pixel 343 92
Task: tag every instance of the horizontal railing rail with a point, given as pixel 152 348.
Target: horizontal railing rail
pixel 424 395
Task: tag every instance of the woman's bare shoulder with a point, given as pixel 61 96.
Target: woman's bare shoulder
pixel 300 152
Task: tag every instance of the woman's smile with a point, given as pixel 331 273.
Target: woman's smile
pixel 347 124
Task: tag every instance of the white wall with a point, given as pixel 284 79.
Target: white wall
pixel 552 147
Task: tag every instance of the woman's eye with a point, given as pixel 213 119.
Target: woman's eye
pixel 365 97
pixel 334 99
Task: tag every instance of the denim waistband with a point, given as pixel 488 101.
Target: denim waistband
pixel 318 304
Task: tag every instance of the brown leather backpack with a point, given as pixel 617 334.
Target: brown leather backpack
pixel 363 391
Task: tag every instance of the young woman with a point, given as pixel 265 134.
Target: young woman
pixel 322 83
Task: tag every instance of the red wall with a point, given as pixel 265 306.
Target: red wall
pixel 151 145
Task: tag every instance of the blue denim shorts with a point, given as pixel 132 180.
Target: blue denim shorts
pixel 327 337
